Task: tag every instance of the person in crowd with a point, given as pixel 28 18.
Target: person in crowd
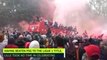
pixel 36 36
pixel 55 24
pixel 20 42
pixel 59 41
pixel 46 22
pixel 92 52
pixel 48 33
pixel 103 47
pixel 28 37
pixel 70 51
pixel 27 44
pixel 11 44
pixel 87 47
pixel 47 43
pixel 34 44
pixel 3 42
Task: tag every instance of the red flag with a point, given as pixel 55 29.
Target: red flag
pixel 55 31
pixel 42 27
pixel 100 36
pixel 34 27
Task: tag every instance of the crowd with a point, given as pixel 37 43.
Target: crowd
pixel 77 47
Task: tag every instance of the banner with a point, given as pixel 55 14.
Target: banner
pixel 34 52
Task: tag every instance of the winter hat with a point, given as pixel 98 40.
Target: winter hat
pixel 21 36
pixel 27 44
pixel 92 50
pixel 43 36
pixel 11 46
pixel 34 44
pixel 74 41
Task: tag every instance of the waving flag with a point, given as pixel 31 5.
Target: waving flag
pixel 100 36
pixel 42 27
pixel 33 27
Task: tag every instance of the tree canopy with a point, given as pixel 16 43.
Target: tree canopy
pixel 14 11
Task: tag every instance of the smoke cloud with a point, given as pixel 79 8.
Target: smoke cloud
pixel 78 13
pixel 66 12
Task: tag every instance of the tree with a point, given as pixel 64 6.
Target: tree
pixel 14 11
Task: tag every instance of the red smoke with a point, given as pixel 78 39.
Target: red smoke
pixel 24 25
pixel 77 13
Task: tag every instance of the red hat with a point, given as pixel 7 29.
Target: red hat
pixel 11 46
pixel 27 44
pixel 92 50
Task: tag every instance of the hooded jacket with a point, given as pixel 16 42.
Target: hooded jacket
pixel 3 44
pixel 34 44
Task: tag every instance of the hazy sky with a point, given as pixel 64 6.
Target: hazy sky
pixel 77 13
